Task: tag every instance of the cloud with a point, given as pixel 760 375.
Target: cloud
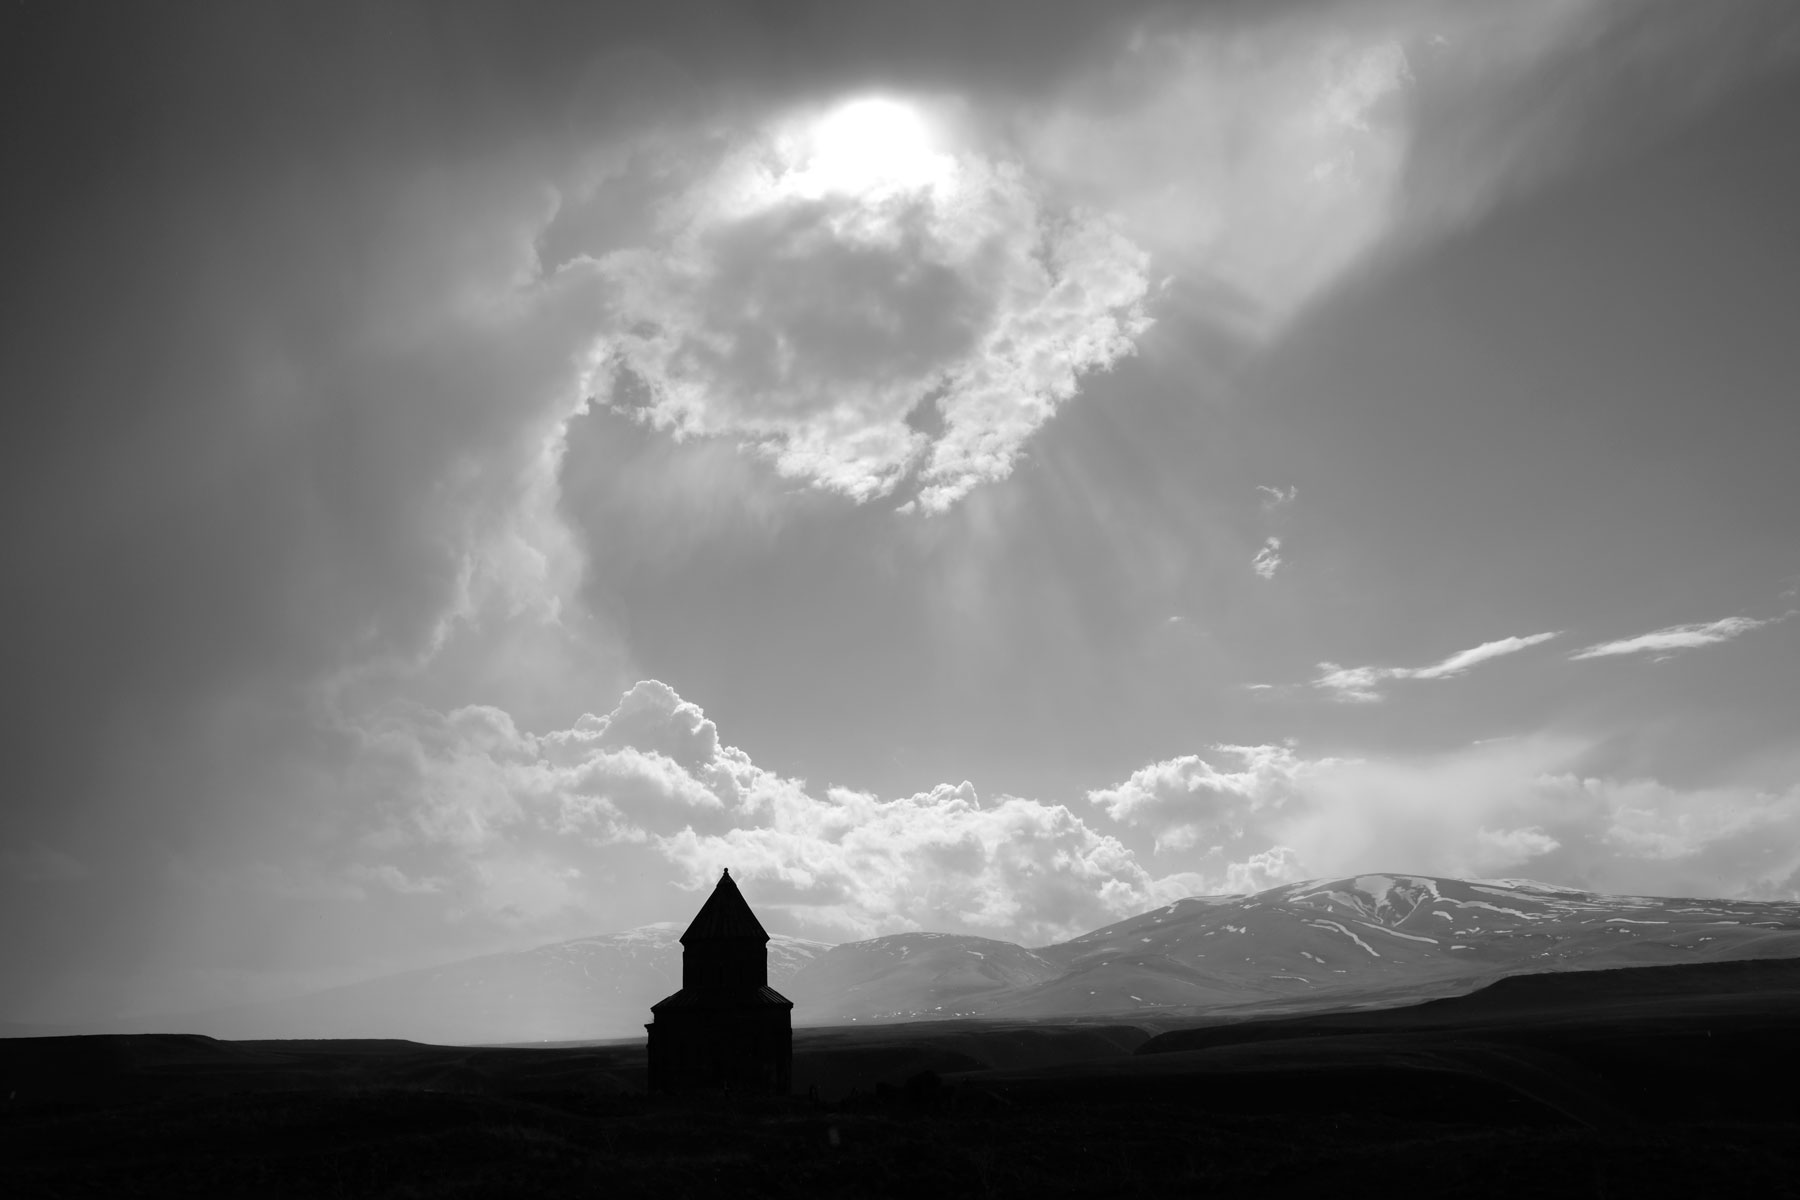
pixel 329 464
pixel 1351 684
pixel 1517 845
pixel 1522 93
pixel 1015 868
pixel 1654 838
pixel 1508 806
pixel 1268 152
pixel 1190 803
pixel 523 830
pixel 1275 498
pixel 889 290
pixel 1664 642
pixel 1275 505
pixel 1268 559
pixel 1272 868
pixel 344 431
pixel 1260 160
pixel 1461 661
pixel 1361 684
pixel 861 294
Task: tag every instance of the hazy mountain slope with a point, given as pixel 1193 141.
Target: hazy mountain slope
pixel 597 987
pixel 913 975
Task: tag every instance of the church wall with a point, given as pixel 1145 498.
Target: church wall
pixel 751 1050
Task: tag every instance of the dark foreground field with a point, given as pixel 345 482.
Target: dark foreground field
pixel 1667 1081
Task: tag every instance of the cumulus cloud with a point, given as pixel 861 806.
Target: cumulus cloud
pixel 521 828
pixel 1510 806
pixel 1362 684
pixel 1664 642
pixel 1190 804
pixel 1663 840
pixel 938 860
pixel 1271 868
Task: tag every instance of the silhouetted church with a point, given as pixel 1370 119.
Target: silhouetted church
pixel 726 1027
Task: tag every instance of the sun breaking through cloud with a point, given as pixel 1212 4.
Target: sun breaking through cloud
pixel 853 277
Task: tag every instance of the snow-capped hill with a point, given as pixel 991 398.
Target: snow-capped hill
pixel 1389 899
pixel 912 975
pixel 1378 932
pixel 661 935
pixel 1529 885
pixel 788 956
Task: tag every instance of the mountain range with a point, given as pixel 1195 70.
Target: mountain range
pixel 1366 940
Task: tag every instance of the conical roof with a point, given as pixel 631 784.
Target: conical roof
pixel 725 915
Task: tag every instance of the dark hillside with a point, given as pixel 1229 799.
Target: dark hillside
pixel 1659 1081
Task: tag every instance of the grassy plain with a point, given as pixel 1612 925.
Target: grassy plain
pixel 1670 1081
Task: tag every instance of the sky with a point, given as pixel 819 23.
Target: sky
pixel 473 472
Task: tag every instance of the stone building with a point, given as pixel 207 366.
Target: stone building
pixel 726 1028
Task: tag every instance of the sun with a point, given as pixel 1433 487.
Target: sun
pixel 869 147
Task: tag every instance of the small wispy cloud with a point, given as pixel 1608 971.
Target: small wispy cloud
pixel 1277 497
pixel 1664 642
pixel 1362 684
pixel 1457 663
pixel 1268 559
pixel 1275 503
